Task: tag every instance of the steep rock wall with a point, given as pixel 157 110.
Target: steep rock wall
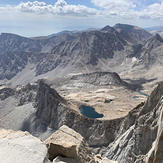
pixel 53 111
pixel 128 139
pixel 134 143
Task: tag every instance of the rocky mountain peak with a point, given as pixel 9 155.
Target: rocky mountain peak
pixel 153 99
pixel 11 40
pixel 154 42
pixel 52 98
pixel 100 79
pixel 72 52
pixel 9 35
pixel 108 29
pixel 125 26
pixel 158 37
pixel 132 33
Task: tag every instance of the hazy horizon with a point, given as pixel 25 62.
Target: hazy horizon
pixel 41 18
pixel 74 30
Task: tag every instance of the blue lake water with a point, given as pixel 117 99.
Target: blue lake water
pixel 89 112
pixel 135 97
pixel 141 93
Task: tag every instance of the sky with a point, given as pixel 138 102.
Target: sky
pixel 38 18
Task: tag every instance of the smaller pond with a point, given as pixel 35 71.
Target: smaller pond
pixel 135 97
pixel 89 112
pixel 142 93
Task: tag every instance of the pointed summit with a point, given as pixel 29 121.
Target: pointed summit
pixel 108 29
pixel 158 37
pixel 132 34
pixel 154 41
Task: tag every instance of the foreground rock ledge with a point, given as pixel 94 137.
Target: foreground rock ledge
pixel 68 143
pixel 18 147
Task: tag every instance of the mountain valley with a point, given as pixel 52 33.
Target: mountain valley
pixel 116 72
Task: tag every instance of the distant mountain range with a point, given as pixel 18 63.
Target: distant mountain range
pixel 156 29
pixel 108 49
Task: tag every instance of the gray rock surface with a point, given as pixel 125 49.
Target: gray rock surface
pixel 136 136
pixel 156 152
pixel 53 111
pixel 16 105
pixel 60 159
pixel 17 51
pixel 132 34
pixel 18 147
pixel 69 52
pixel 93 80
pixel 102 79
pixel 150 53
pixel 99 159
pixel 123 136
pixel 6 92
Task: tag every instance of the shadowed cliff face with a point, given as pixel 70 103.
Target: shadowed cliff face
pixel 47 100
pixel 53 111
pixel 150 52
pixel 127 139
pixel 136 137
pixel 134 142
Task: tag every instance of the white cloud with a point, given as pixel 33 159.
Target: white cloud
pixel 60 3
pixel 107 8
pixel 154 11
pixel 40 18
pixel 114 4
pixel 130 9
pixel 59 8
pixel 116 8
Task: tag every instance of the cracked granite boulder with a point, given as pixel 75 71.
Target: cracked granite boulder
pixel 68 143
